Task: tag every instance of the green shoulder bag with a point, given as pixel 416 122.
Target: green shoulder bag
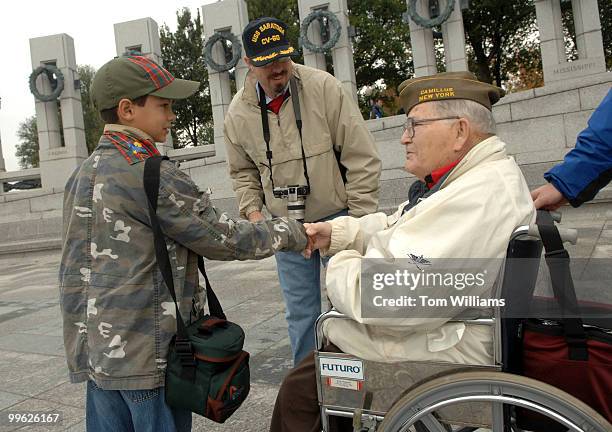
pixel 207 370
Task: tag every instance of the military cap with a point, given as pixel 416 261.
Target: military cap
pixel 448 85
pixel 265 40
pixel 133 76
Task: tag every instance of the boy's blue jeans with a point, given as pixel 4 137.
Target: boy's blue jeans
pixel 133 411
pixel 300 282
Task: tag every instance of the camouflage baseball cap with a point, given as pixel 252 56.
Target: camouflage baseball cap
pixel 447 85
pixel 130 77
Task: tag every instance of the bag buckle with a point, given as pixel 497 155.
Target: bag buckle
pixel 184 351
pixel 578 348
pixel 559 253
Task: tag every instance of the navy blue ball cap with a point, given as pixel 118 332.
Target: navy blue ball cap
pixel 265 40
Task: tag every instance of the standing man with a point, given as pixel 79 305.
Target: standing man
pixel 377 109
pixel 294 125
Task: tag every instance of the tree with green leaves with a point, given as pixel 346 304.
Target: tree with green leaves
pixel 182 52
pixel 501 38
pixel 381 47
pixel 27 148
pixel 381 50
pixel 94 126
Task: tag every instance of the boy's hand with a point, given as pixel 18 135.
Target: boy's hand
pixel 255 216
pixel 319 237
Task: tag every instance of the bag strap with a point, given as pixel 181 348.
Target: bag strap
pixel 151 184
pixel 214 306
pixel 182 343
pixel 558 260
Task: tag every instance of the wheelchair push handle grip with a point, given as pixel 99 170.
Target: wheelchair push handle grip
pixel 568 235
pixel 556 216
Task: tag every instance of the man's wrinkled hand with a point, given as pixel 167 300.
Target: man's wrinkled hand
pixel 319 237
pixel 547 197
pixel 255 216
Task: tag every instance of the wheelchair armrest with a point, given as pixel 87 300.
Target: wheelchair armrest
pixel 333 313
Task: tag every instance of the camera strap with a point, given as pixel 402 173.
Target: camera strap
pixel 266 126
pixel 295 99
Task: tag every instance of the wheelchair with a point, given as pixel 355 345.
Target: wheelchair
pixel 446 397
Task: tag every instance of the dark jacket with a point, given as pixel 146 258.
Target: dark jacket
pixel 588 167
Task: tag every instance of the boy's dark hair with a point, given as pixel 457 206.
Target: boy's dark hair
pixel 109 116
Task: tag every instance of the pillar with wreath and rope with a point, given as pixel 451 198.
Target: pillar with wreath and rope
pixel 223 24
pixel 55 78
pixel 425 15
pixel 325 28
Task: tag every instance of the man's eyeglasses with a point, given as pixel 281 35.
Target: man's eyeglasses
pixel 411 123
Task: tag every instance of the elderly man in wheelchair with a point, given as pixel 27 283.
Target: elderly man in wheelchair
pixel 417 372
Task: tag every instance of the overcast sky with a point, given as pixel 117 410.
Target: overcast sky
pixel 89 23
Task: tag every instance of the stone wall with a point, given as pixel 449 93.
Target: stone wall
pixel 540 126
pixel 30 220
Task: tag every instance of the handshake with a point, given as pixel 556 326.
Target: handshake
pixel 319 237
pixel 319 234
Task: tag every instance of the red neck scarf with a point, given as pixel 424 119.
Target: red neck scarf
pixel 435 176
pixel 275 104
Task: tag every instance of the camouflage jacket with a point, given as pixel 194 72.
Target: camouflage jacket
pixel 118 315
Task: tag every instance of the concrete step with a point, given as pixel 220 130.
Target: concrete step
pixel 30 246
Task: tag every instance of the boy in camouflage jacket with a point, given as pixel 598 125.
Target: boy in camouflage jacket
pixel 118 315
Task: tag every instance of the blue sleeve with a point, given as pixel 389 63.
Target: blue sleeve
pixel 588 167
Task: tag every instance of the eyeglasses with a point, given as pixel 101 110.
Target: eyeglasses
pixel 411 123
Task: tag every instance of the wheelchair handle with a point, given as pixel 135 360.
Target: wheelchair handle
pixel 333 313
pixel 555 215
pixel 568 235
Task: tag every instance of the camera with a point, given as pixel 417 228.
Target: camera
pixel 295 196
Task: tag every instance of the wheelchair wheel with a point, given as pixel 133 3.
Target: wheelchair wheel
pixel 416 410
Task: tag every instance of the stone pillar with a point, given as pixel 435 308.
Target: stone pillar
pixel 548 13
pixel 588 32
pixel 57 161
pixel 342 52
pixel 142 35
pixel 588 29
pixel 453 36
pixel 421 39
pixel 312 59
pixel 229 16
